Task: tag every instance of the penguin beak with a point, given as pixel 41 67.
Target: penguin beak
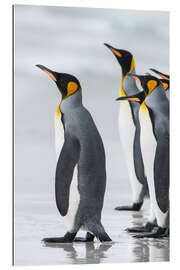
pixel 129 98
pixel 139 97
pixel 51 73
pixel 114 51
pixel 162 75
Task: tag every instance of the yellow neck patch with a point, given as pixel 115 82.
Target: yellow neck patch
pixel 132 65
pixel 58 111
pixel 151 84
pixel 144 107
pixel 122 93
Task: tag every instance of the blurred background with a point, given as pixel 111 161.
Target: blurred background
pixel 71 40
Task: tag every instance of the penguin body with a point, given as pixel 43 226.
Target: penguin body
pixel 80 180
pixel 129 130
pixel 127 121
pixel 154 122
pixel 74 193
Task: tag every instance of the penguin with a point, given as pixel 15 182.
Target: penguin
pixel 165 80
pixel 82 149
pixel 129 130
pixel 154 122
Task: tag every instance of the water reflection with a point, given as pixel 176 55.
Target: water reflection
pixel 83 253
pixel 151 250
pixel 146 250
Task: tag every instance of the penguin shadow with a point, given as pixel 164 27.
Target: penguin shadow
pixel 151 250
pixel 89 252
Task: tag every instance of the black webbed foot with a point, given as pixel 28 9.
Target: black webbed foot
pixel 89 238
pixel 67 238
pixel 134 207
pixel 157 232
pixel 147 228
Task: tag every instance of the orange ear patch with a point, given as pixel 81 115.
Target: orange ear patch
pixel 116 52
pixel 165 85
pixel 51 75
pixel 72 87
pixel 151 84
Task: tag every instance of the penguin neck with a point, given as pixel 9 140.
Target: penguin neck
pixel 71 102
pixel 128 85
pixel 157 100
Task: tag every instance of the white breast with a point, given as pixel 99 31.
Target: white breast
pixel 148 147
pixel 74 196
pixel 59 134
pixel 127 134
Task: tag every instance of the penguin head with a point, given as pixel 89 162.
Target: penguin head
pixel 125 59
pixel 162 75
pixel 148 83
pixel 66 83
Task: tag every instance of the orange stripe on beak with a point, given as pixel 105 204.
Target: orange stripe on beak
pixel 116 52
pixel 134 99
pixel 163 77
pixel 51 75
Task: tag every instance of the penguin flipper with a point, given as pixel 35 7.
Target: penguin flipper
pixel 161 174
pixel 68 158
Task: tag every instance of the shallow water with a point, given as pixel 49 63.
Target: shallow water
pixel 36 217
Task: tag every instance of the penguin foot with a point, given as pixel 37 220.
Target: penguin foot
pixel 157 232
pixel 89 238
pixel 104 238
pixel 147 228
pixel 67 238
pixel 99 232
pixel 166 234
pixel 134 207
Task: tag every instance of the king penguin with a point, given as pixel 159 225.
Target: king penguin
pixel 154 122
pixel 129 130
pixel 165 80
pixel 82 150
